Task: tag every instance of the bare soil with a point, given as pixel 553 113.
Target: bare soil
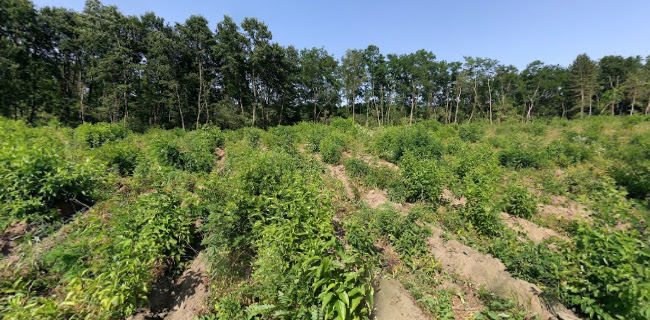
pixel 564 208
pixel 8 239
pixel 179 299
pixel 488 272
pixel 393 302
pixel 532 230
pixel 338 172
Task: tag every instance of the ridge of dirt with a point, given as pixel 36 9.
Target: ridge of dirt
pixel 8 238
pixel 564 208
pixel 376 198
pixel 490 273
pixel 339 173
pixel 532 230
pixel 179 299
pixel 221 160
pixel 393 302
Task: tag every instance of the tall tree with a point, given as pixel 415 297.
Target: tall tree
pixel 584 81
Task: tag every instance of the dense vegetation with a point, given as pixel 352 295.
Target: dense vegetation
pixel 113 212
pixel 100 65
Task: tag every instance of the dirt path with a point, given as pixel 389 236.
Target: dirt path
pixel 489 272
pixel 532 230
pixel 338 172
pixel 566 209
pixel 182 299
pixel 393 302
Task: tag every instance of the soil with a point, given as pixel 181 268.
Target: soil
pixel 565 208
pixel 339 173
pixel 533 231
pixel 466 307
pixel 488 272
pixel 11 234
pixel 180 299
pixel 221 161
pixel 393 302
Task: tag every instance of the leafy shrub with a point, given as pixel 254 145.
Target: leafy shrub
pixel 194 151
pixel 518 157
pixel 37 175
pixel 331 147
pixel 607 275
pixel 633 172
pixel 472 132
pixel 378 177
pixel 122 156
pixel 394 142
pixel 282 139
pixel 403 232
pixel 519 202
pixel 95 135
pixel 479 211
pixel 423 179
pixel 566 153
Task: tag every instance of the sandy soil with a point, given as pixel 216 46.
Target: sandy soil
pixel 180 299
pixel 393 302
pixel 562 207
pixel 338 172
pixel 487 271
pixel 533 231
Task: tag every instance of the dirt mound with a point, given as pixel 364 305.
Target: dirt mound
pixel 8 238
pixel 221 160
pixel 339 173
pixel 372 160
pixel 180 299
pixel 464 300
pixel 533 231
pixel 393 302
pixel 488 272
pixel 566 209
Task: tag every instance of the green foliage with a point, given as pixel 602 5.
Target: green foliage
pixel 518 156
pixel 607 275
pixel 403 232
pixel 519 202
pixel 378 177
pixel 119 275
pixel 331 147
pixel 633 169
pixel 423 179
pixel 472 132
pixel 38 174
pixel 122 156
pixel 479 211
pixel 394 142
pixel 194 151
pixel 95 135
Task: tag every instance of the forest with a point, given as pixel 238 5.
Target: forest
pixel 99 65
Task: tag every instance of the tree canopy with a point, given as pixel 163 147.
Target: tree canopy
pixel 100 65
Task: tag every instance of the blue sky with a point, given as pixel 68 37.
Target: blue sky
pixel 512 31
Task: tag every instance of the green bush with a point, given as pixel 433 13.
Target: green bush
pixel 519 202
pixel 95 135
pixel 394 142
pixel 39 175
pixel 423 179
pixel 472 132
pixel 607 275
pixel 518 157
pixel 331 147
pixel 122 156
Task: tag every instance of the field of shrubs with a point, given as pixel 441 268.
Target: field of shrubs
pixel 308 221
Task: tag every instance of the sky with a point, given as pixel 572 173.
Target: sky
pixel 514 32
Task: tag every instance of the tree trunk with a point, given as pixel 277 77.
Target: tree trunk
pixel 490 98
pixel 180 109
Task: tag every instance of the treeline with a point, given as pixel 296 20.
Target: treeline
pixel 100 65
